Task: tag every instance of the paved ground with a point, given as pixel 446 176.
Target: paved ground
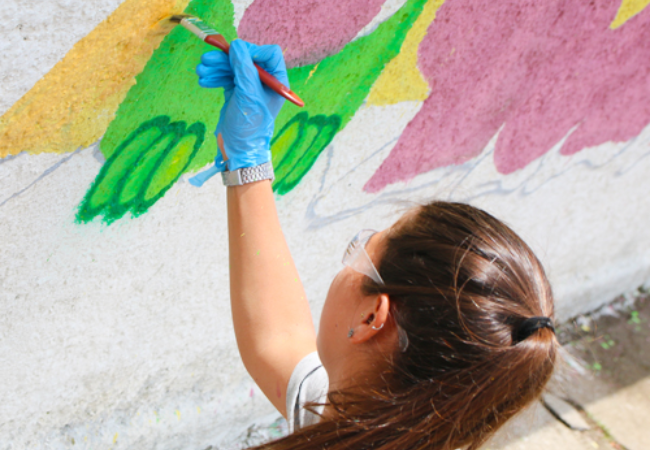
pixel 602 386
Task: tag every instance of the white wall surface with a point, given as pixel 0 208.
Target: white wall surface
pixel 120 336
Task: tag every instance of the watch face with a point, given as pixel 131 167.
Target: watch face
pixel 232 178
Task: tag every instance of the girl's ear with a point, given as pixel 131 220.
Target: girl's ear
pixel 372 319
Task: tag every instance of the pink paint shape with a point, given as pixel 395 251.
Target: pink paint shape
pixel 251 393
pixel 540 68
pixel 306 31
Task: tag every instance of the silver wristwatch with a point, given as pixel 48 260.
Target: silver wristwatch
pixel 248 175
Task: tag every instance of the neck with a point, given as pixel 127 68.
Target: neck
pixel 350 378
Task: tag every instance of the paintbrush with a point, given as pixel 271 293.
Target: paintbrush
pixel 210 36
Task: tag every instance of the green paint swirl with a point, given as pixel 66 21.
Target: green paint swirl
pixel 142 169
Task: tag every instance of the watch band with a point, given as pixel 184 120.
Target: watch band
pixel 248 175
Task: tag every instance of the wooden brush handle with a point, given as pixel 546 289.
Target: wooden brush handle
pixel 218 41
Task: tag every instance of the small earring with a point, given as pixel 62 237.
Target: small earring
pixel 382 326
pixel 350 333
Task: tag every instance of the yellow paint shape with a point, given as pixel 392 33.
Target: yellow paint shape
pixel 628 9
pixel 72 105
pixel 401 79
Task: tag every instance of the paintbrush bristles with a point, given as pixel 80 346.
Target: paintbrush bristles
pixel 176 18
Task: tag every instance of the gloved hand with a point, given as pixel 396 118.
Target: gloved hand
pixel 248 114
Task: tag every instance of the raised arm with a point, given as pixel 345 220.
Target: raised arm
pixel 271 314
pixel 272 319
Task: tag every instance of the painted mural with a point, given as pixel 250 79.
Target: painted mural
pixel 116 328
pixel 333 90
pixel 535 73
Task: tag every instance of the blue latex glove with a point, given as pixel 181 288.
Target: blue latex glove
pixel 248 114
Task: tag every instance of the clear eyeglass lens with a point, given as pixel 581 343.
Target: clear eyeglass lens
pixel 357 258
pixel 356 242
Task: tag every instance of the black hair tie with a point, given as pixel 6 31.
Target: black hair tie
pixel 530 325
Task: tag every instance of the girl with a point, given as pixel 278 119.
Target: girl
pixel 437 330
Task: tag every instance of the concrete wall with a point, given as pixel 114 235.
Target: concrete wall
pixel 115 329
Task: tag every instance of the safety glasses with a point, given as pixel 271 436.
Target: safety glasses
pixel 357 258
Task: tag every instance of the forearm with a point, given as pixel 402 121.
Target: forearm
pixel 270 311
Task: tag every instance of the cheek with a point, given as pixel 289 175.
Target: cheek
pixel 337 315
pixel 337 300
pixel 328 314
pixel 331 325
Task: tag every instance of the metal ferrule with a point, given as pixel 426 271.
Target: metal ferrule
pixel 197 27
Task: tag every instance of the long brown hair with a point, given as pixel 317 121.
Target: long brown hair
pixel 461 283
